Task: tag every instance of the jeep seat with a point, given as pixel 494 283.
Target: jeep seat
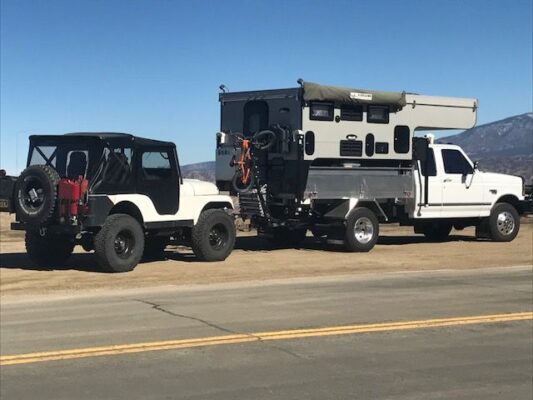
pixel 77 165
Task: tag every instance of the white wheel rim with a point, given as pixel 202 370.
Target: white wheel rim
pixel 363 230
pixel 505 223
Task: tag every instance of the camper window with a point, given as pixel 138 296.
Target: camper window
pixel 321 111
pixel 351 113
pixel 401 139
pixel 378 114
pixel 369 145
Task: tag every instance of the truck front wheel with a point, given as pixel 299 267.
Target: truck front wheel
pixel 49 251
pixel 213 236
pixel 119 245
pixel 362 230
pixel 504 222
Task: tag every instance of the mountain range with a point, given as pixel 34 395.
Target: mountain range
pixel 504 146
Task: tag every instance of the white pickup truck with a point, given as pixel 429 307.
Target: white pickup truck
pixel 451 191
pixel 444 189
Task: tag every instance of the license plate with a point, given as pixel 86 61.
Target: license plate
pixel 4 204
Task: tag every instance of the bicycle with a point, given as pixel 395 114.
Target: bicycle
pixel 244 179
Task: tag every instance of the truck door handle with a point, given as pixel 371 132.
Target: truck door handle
pixel 447 180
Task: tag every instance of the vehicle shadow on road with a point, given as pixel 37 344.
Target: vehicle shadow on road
pixel 400 240
pixel 254 243
pixel 79 262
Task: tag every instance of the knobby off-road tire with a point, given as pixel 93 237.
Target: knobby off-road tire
pixel 49 251
pixel 119 245
pixel 362 230
pixel 154 247
pixel 36 194
pixel 504 222
pixel 437 231
pixel 213 236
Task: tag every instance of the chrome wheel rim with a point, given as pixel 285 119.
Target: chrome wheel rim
pixel 363 230
pixel 505 223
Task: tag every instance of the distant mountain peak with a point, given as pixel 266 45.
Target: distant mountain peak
pixel 502 146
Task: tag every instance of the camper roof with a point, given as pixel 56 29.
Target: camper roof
pixel 315 92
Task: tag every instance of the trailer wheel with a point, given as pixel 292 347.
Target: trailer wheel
pixel 504 222
pixel 362 230
pixel 50 251
pixel 213 236
pixel 437 231
pixel 119 245
pixel 36 194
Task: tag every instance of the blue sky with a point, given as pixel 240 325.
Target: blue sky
pixel 153 67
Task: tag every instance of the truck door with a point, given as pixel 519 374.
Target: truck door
pixel 159 179
pixel 462 188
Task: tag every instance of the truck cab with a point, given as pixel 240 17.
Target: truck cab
pixel 459 188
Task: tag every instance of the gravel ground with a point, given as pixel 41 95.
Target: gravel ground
pixel 256 259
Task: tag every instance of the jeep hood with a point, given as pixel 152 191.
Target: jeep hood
pixel 199 188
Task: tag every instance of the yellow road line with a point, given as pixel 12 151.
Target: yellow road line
pixel 260 336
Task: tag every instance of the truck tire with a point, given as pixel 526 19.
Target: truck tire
pixel 283 236
pixel 154 247
pixel 504 222
pixel 213 236
pixel 49 251
pixel 36 194
pixel 362 230
pixel 119 245
pixel 437 231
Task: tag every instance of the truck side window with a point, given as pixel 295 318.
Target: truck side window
pixel 156 165
pixel 455 162
pixel 428 167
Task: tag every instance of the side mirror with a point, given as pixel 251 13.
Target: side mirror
pixel 476 165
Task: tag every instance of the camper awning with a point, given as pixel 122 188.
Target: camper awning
pixel 316 92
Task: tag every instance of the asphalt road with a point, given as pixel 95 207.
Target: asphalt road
pixel 407 339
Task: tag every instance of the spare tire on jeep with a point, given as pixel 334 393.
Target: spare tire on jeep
pixel 36 194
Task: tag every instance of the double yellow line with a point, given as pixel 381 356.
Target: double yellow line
pixel 255 337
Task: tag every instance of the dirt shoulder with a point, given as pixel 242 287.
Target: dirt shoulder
pixel 255 259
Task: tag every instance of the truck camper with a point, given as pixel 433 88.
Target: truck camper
pixel 337 161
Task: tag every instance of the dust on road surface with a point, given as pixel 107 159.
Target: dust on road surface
pixel 256 259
